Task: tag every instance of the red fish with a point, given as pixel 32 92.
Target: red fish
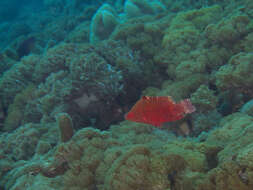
pixel 156 110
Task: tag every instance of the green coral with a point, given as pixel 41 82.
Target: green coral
pixel 17 78
pixel 16 111
pixel 141 34
pixel 103 23
pixel 229 30
pixel 122 157
pixel 185 28
pixel 237 74
pixel 182 88
pixel 204 99
pixel 189 67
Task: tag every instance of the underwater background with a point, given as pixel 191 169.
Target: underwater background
pixel 71 70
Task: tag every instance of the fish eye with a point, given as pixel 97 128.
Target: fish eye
pixel 145 97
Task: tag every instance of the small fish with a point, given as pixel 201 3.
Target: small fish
pixel 156 110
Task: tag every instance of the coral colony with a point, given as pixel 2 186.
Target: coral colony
pixel 126 95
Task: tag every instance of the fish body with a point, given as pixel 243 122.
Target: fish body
pixel 156 110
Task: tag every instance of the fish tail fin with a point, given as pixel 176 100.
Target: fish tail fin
pixel 187 105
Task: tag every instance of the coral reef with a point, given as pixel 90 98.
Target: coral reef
pixel 71 78
pixel 247 108
pixel 121 158
pixel 70 70
pixel 136 8
pixel 204 99
pixel 17 114
pixel 20 145
pixel 229 31
pixel 232 75
pixel 19 76
pixel 103 23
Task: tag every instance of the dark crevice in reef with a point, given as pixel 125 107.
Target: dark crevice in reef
pixel 171 178
pixel 212 158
